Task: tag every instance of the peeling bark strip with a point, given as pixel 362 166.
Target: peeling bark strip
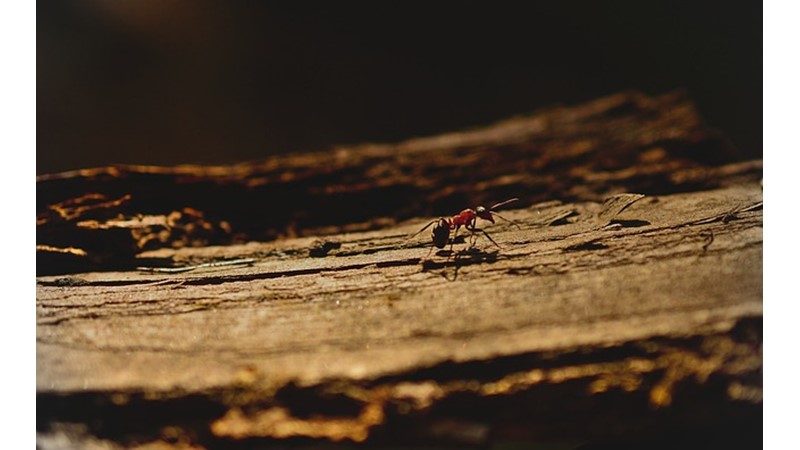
pixel 597 320
pixel 101 219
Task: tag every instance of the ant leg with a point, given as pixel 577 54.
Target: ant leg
pixel 507 220
pixel 473 238
pixel 423 229
pixel 471 227
pixel 453 240
pixel 488 237
pixel 474 229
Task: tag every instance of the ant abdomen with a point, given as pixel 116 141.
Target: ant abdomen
pixel 441 233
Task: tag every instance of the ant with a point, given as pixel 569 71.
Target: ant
pixel 467 219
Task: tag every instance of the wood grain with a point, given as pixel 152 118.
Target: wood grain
pixel 174 311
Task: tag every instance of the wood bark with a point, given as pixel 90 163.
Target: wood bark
pixel 626 305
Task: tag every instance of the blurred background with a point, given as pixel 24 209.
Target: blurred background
pixel 169 82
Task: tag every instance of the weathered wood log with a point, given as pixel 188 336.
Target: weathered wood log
pixel 100 219
pixel 654 313
pixel 606 316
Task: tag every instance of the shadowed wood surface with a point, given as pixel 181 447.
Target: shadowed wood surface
pixel 607 314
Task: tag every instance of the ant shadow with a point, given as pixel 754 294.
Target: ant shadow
pixel 458 259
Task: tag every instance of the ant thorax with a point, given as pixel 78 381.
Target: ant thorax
pixel 463 218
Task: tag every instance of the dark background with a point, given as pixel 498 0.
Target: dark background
pixel 169 82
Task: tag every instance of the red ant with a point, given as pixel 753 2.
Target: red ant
pixel 467 219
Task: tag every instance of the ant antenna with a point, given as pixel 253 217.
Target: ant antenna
pixel 515 199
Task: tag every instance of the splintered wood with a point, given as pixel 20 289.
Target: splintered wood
pixel 623 305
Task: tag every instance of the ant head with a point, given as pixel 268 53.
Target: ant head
pixel 441 233
pixel 484 213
